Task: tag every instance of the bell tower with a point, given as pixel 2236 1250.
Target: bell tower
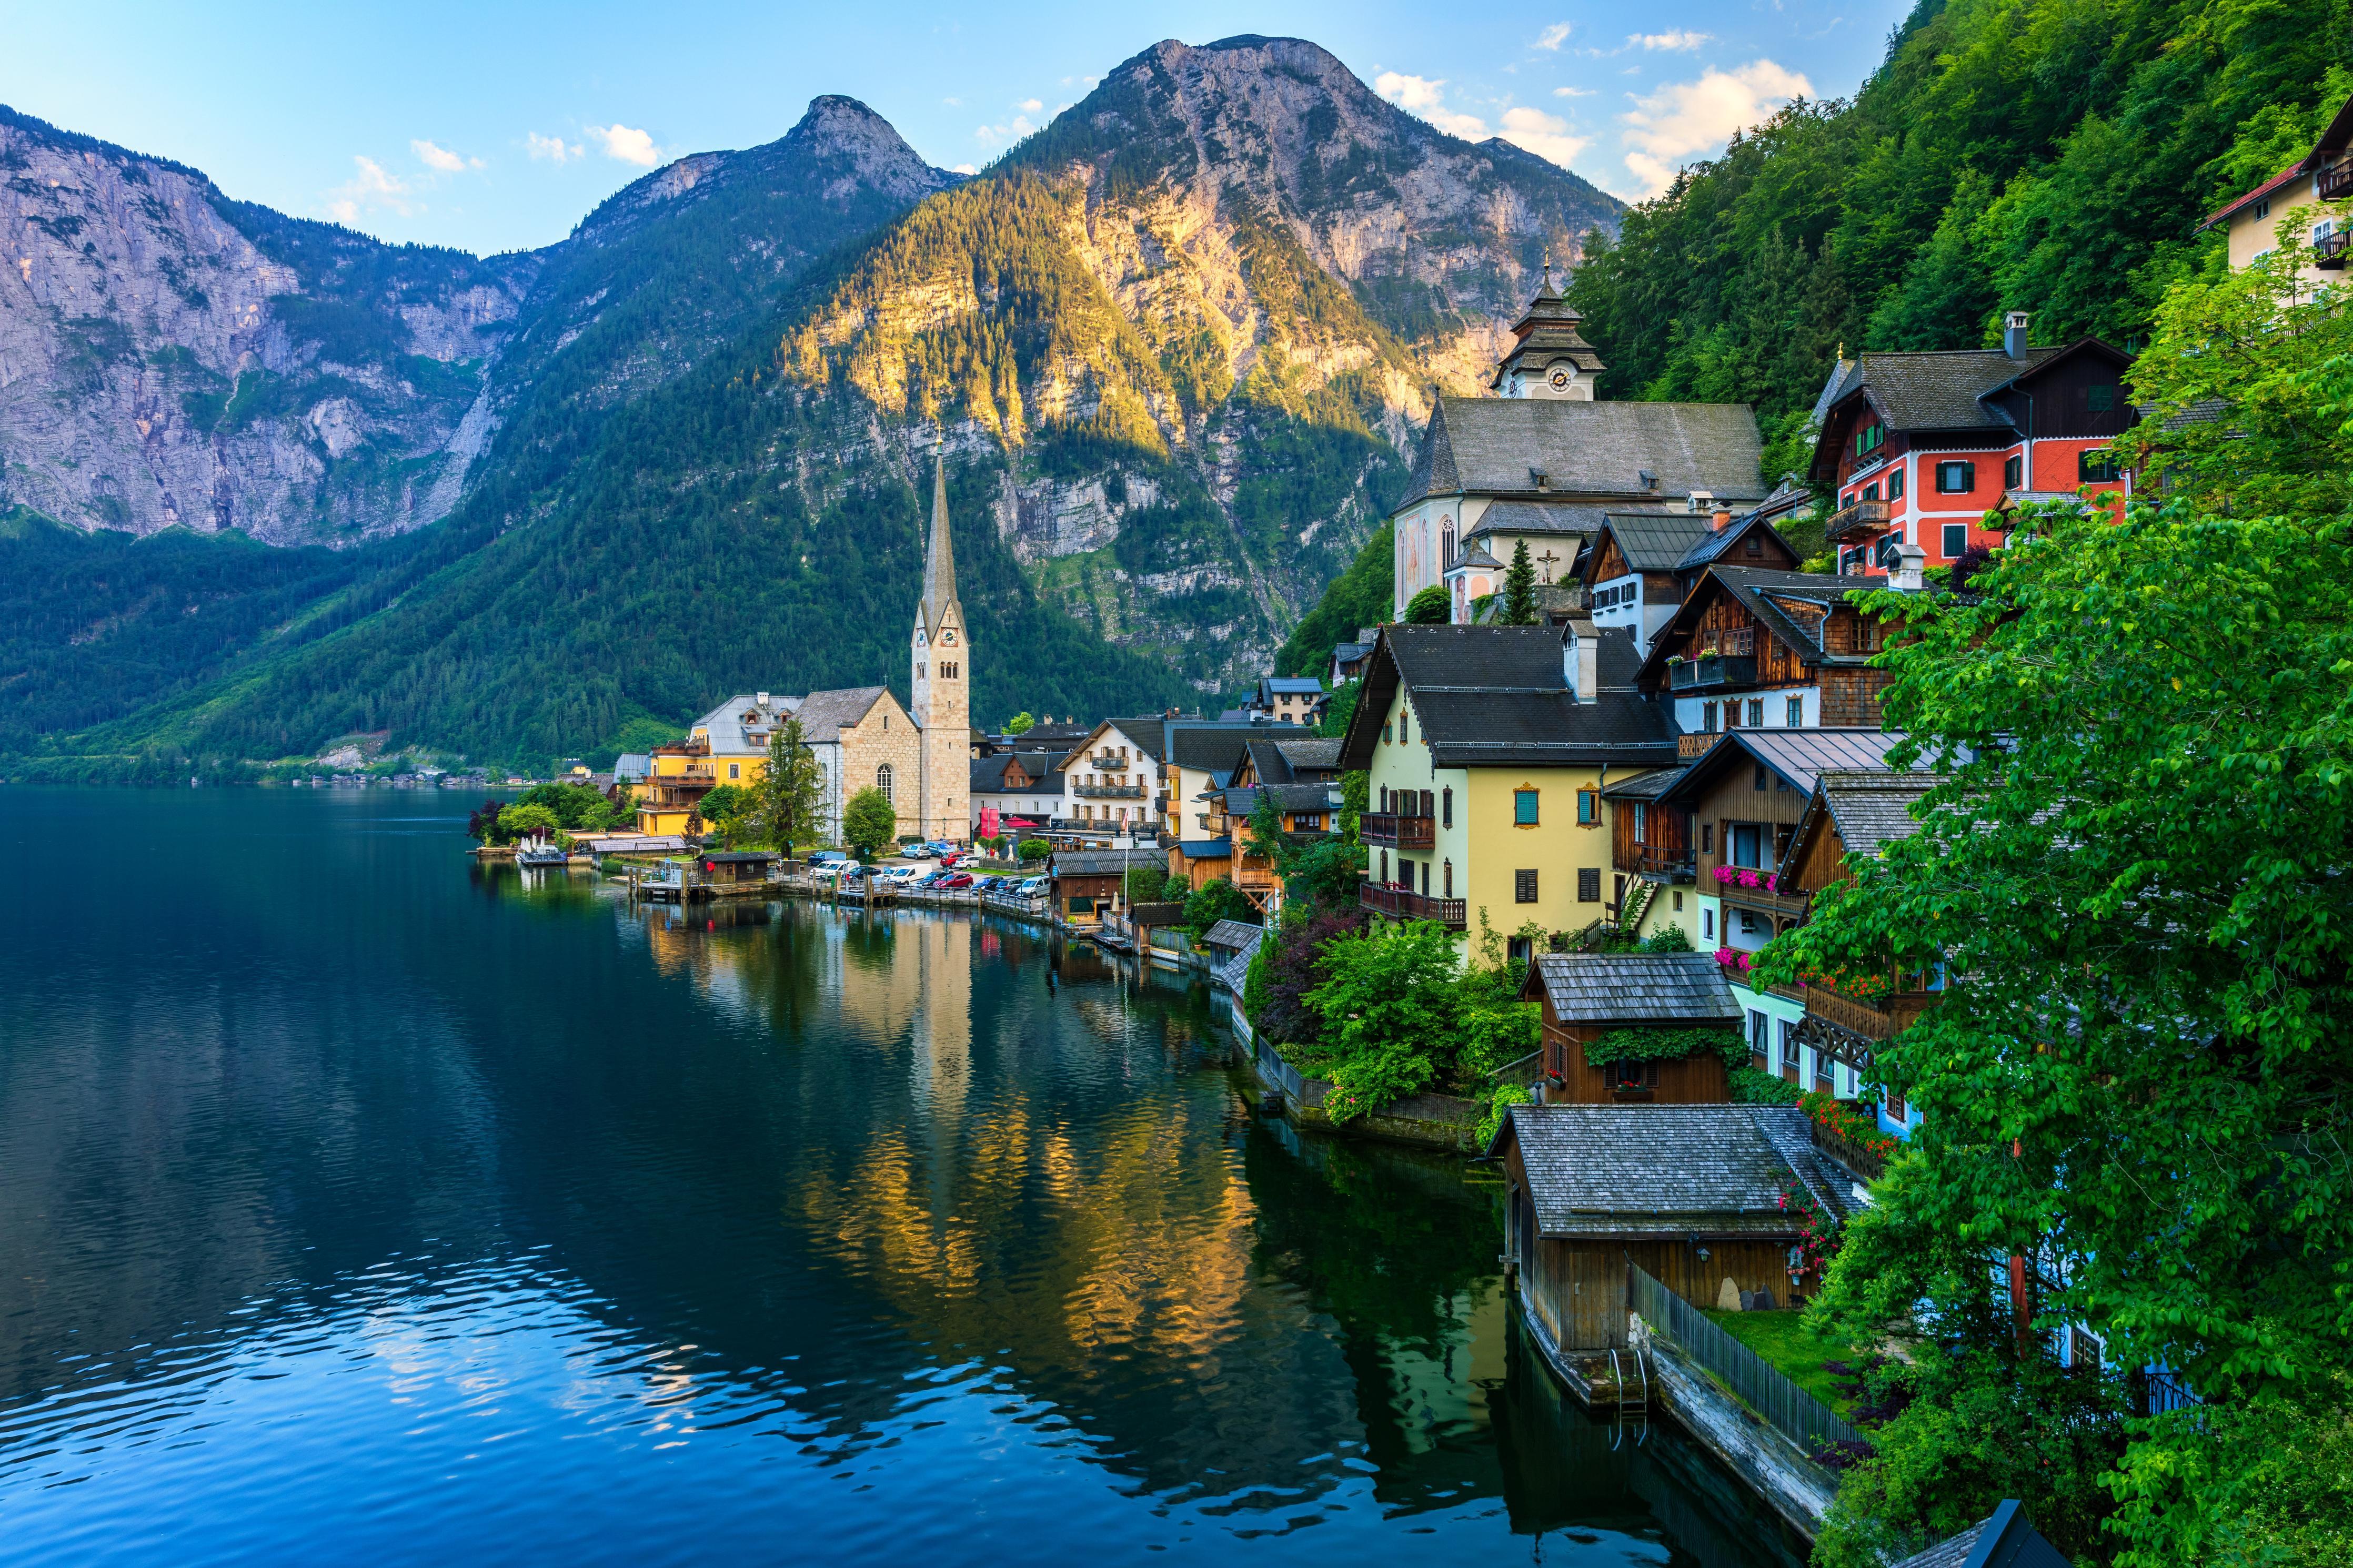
pixel 1548 357
pixel 941 657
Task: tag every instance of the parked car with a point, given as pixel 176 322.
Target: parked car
pixel 829 858
pixel 917 851
pixel 1033 887
pixel 956 879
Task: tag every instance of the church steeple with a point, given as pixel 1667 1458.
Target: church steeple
pixel 939 559
pixel 1548 357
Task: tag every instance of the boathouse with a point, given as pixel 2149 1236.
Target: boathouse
pixel 1710 1200
pixel 725 867
pixel 1088 882
pixel 1634 1027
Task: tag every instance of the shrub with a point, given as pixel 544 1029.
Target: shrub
pixel 1034 849
pixel 1429 608
pixel 1668 938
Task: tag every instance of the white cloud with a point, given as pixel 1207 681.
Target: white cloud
pixel 1552 37
pixel 1420 95
pixel 1688 117
pixel 1546 135
pixel 1013 130
pixel 1672 38
pixel 372 189
pixel 964 168
pixel 1572 92
pixel 1030 105
pixel 439 159
pixel 626 145
pixel 1080 80
pixel 953 102
pixel 553 149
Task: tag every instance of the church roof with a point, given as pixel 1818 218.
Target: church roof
pixel 1500 446
pixel 824 713
pixel 939 559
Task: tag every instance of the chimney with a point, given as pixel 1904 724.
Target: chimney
pixel 1722 518
pixel 2013 335
pixel 760 700
pixel 1580 660
pixel 1903 577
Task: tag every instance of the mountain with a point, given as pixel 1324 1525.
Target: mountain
pixel 1175 345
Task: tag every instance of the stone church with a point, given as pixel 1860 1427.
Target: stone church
pixel 942 690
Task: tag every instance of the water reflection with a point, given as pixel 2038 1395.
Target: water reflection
pixel 381 1192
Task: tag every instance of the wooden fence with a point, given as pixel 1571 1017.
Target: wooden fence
pixel 1796 1413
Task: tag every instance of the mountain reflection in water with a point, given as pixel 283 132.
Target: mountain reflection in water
pixel 362 1202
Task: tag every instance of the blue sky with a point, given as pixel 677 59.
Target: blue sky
pixel 496 127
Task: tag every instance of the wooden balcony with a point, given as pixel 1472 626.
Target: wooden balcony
pixel 1690 746
pixel 1108 792
pixel 2335 180
pixel 1654 860
pixel 1411 906
pixel 1395 830
pixel 1779 906
pixel 1108 762
pixel 1859 517
pixel 1713 672
pixel 2329 252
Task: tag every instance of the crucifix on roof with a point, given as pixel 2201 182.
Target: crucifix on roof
pixel 1550 560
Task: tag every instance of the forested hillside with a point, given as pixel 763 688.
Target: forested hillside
pixel 2043 156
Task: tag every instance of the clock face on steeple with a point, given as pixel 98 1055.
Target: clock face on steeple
pixel 1559 379
pixel 948 637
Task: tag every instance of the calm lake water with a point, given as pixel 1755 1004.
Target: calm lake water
pixel 358 1205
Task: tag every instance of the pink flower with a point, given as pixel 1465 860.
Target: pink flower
pixel 1724 875
pixel 1772 882
pixel 1748 879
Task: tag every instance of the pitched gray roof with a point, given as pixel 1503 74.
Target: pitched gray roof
pixel 1232 934
pixel 1311 753
pixel 823 714
pixel 1235 971
pixel 1873 809
pixel 1217 749
pixel 1800 756
pixel 1621 1170
pixel 1939 391
pixel 2005 1539
pixel 1497 696
pixel 987 775
pixel 1496 445
pixel 1642 786
pixel 1538 517
pixel 731 737
pixel 1105 862
pixel 632 766
pixel 1316 796
pixel 1636 987
pixel 1658 540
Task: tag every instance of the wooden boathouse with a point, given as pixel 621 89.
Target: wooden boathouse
pixel 1592 997
pixel 1706 1198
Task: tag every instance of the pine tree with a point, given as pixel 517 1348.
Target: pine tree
pixel 788 803
pixel 1519 607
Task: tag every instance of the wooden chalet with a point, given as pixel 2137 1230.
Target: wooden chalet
pixel 1653 854
pixel 1586 995
pixel 726 867
pixel 1643 563
pixel 1854 814
pixel 1693 1194
pixel 1090 883
pixel 1918 448
pixel 1752 649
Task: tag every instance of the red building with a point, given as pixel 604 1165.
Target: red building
pixel 1919 447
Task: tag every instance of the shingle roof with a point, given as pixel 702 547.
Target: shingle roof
pixel 1800 756
pixel 1538 517
pixel 1474 555
pixel 988 773
pixel 1871 809
pixel 731 737
pixel 1232 934
pixel 1104 862
pixel 1643 786
pixel 1497 696
pixel 1658 541
pixel 1212 750
pixel 2005 1539
pixel 1318 796
pixel 1940 391
pixel 1635 987
pixel 1235 971
pixel 1311 753
pixel 823 714
pixel 1619 1169
pixel 1498 444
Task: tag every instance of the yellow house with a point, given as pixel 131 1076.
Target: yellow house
pixel 1487 749
pixel 2252 221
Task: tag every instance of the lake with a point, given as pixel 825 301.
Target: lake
pixel 360 1205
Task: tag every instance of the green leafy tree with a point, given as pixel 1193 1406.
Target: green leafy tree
pixel 1142 884
pixel 1021 724
pixel 724 809
pixel 1214 900
pixel 1340 709
pixel 1361 596
pixel 1429 608
pixel 1175 891
pixel 1034 849
pixel 523 821
pixel 789 800
pixel 2132 880
pixel 868 823
pixel 1388 1008
pixel 1519 588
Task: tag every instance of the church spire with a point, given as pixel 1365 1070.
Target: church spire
pixel 939 561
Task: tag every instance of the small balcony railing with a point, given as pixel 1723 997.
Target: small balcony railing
pixel 2328 252
pixel 1858 517
pixel 1710 671
pixel 1407 905
pixel 1108 792
pixel 2335 180
pixel 1692 746
pixel 1652 861
pixel 1395 830
pixel 1107 763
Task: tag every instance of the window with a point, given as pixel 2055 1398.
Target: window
pixel 735 769
pixel 1641 822
pixel 1425 879
pixel 1796 716
pixel 2095 467
pixel 1895 1102
pixel 1788 1045
pixel 1384 866
pixel 1707 925
pixel 1082 905
pixel 1707 718
pixel 1753 545
pixel 2013 472
pixel 1747 845
pixel 1757 712
pixel 1679 903
pixel 1385 735
pixel 1405 727
pixel 1760 1040
pixel 1588 884
pixel 1707 838
pixel 2262 209
pixel 1956 478
pixel 1524 808
pixel 1308 822
pixel 1633 1073
pixel 1869 438
pixel 1589 807
pixel 1445 800
pixel 1524 887
pixel 1895 485
pixel 2103 399
pixel 1759 777
pixel 919 672
pixel 1957 540
pixel 1751 923
pixel 882 780
pixel 1731 715
pixel 1870 492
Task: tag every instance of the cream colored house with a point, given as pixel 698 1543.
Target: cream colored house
pixel 2254 221
pixel 1487 748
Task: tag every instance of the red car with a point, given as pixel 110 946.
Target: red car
pixel 961 880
